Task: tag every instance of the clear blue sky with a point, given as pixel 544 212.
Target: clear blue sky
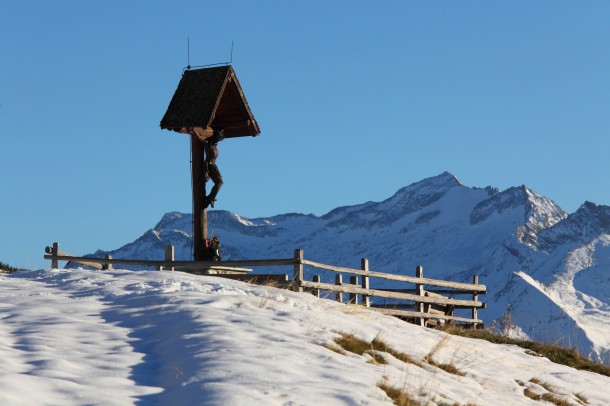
pixel 355 99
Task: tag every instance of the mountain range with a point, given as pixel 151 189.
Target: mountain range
pixel 547 269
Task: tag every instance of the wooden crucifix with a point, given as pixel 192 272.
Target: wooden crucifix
pixel 210 105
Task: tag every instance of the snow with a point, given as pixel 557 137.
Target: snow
pixel 454 232
pixel 75 337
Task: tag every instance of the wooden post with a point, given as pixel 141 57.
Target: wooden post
pixel 339 281
pixel 106 266
pixel 316 279
pixel 200 213
pixel 169 256
pixel 353 297
pixel 55 253
pixel 298 270
pixel 419 273
pixel 475 296
pixel 364 265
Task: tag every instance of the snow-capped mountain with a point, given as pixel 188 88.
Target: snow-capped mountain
pixel 551 268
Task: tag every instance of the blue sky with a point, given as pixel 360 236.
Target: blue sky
pixel 354 99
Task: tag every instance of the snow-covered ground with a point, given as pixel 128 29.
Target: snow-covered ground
pixel 81 337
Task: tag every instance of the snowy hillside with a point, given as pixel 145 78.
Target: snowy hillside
pixel 550 267
pixel 76 337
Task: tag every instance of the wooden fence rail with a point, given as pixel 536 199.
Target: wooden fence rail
pixel 426 305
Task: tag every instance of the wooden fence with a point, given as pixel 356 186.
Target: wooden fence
pixel 421 305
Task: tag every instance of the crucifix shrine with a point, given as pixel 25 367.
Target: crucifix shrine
pixel 210 106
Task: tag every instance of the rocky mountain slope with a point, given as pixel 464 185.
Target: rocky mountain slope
pixel 552 269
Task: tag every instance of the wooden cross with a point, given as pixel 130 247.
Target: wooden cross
pixel 206 100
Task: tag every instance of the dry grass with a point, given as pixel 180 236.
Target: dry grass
pixel 551 395
pixel 556 354
pixel 439 344
pixel 582 398
pixel 530 394
pixel 264 300
pixel 446 367
pixel 377 358
pixel 353 344
pixel 398 396
pixel 381 346
pixel 544 385
pixel 429 358
pixel 376 348
pixel 335 348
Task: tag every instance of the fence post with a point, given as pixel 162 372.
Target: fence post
pixel 107 266
pixel 169 256
pixel 316 279
pixel 353 297
pixel 475 297
pixel 419 273
pixel 364 265
pixel 298 270
pixel 55 252
pixel 339 282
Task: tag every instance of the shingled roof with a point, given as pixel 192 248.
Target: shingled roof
pixel 211 97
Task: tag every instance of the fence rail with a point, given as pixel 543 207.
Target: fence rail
pixel 400 278
pixel 428 305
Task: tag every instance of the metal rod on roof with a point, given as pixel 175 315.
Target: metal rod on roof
pixel 188 52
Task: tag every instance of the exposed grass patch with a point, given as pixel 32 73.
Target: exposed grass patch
pixel 530 394
pixel 353 344
pixel 446 367
pixel 582 398
pixel 550 396
pixel 334 348
pixel 544 385
pixel 381 346
pixel 398 396
pixel 376 348
pixel 377 358
pixel 556 354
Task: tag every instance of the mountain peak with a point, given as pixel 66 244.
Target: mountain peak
pixel 537 212
pixel 436 185
pixel 446 179
pixel 418 195
pixel 587 223
pixel 175 220
pixel 600 215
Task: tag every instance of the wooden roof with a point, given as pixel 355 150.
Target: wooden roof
pixel 211 97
